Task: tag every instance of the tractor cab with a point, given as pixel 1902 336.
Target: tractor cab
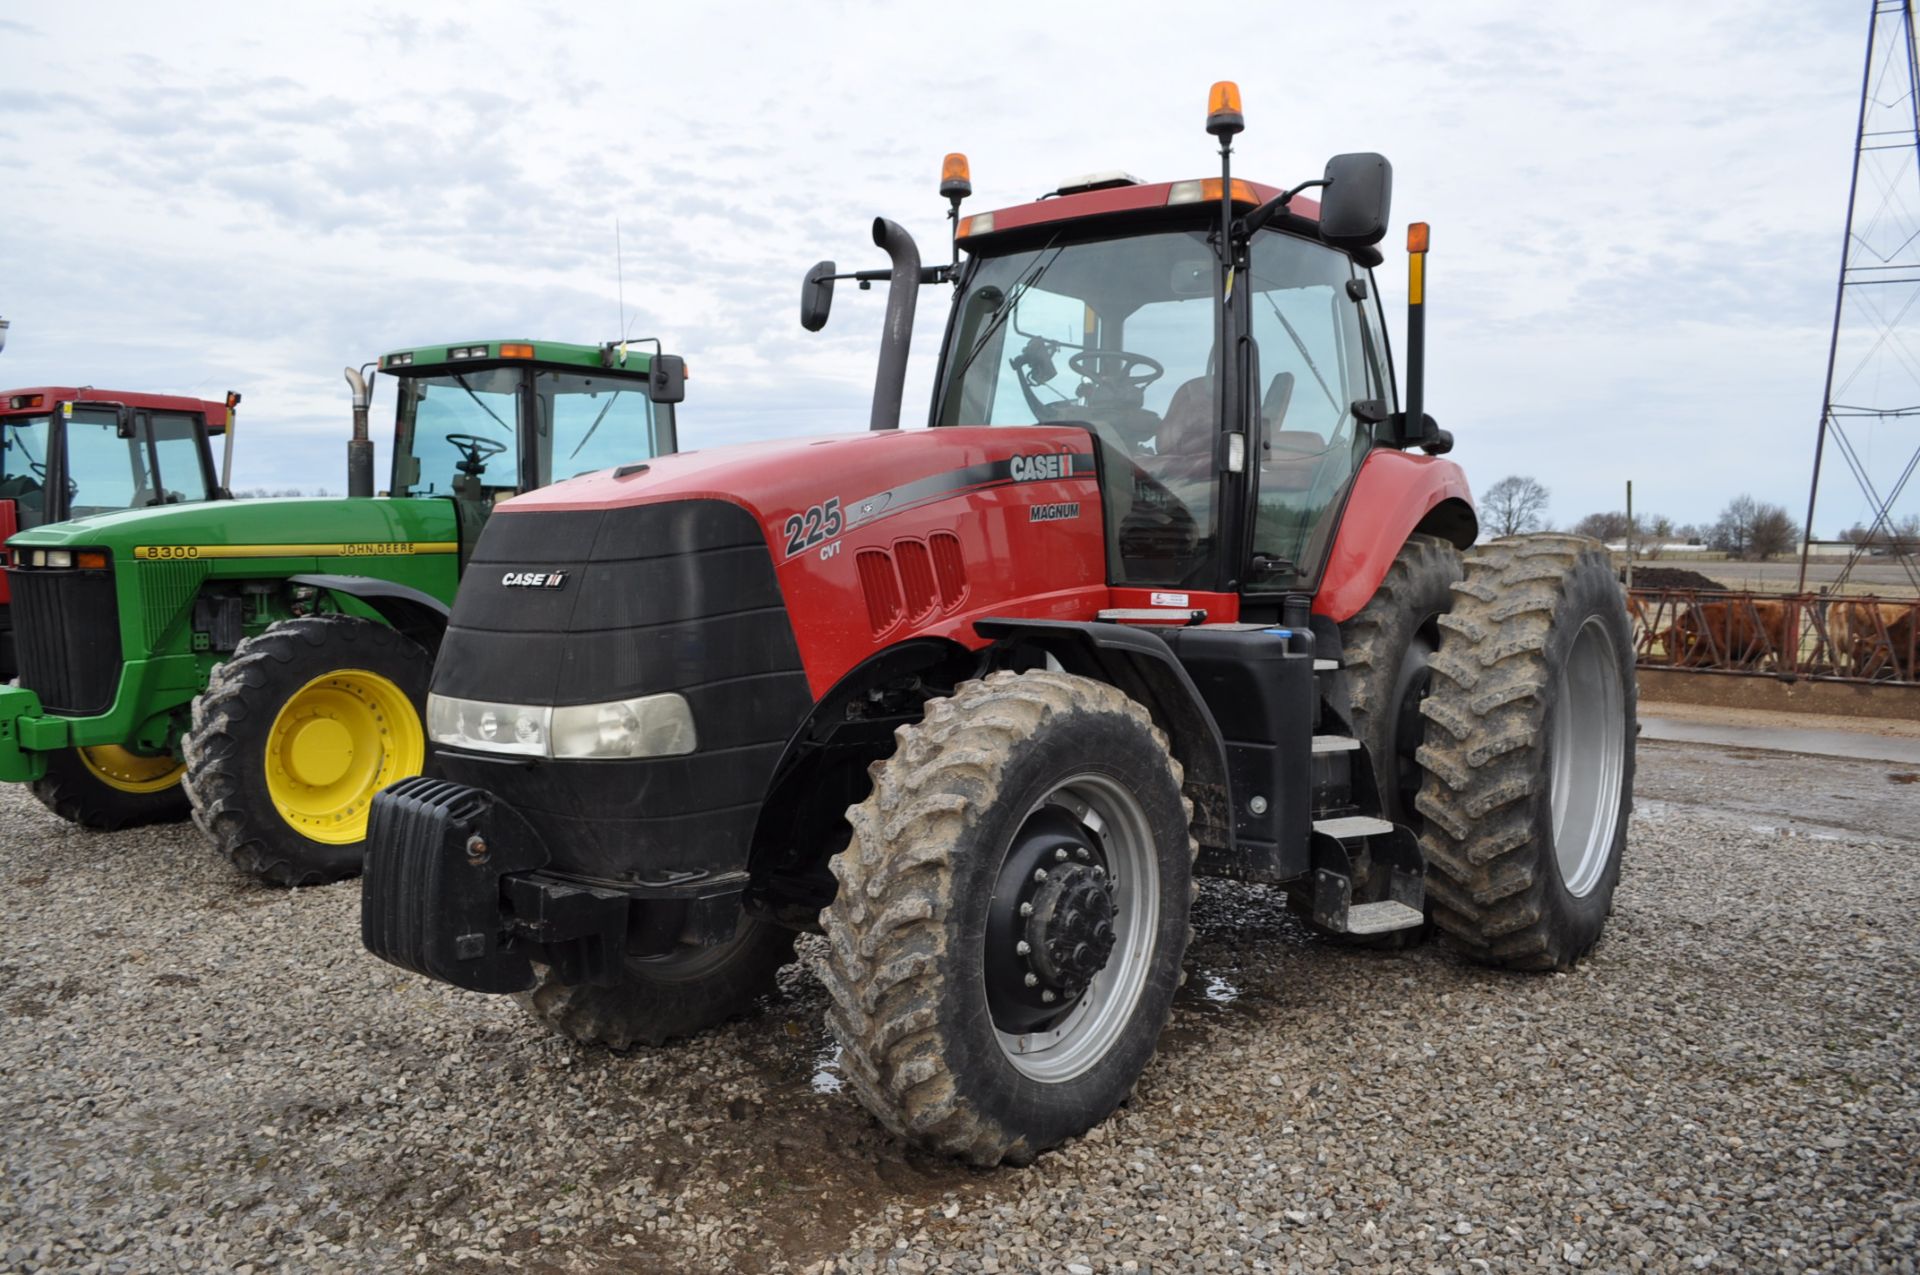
pixel 69 452
pixel 66 452
pixel 479 422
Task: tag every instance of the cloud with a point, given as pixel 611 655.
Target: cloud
pixel 1636 219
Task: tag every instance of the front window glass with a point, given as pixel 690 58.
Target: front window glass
pixel 107 464
pixel 592 421
pixel 177 440
pixel 459 432
pixel 1310 365
pixel 1119 336
pixel 23 466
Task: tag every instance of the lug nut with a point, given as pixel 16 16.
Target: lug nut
pixel 1033 980
pixel 1023 947
pixel 1047 998
pixel 1081 854
pixel 1039 874
pixel 1026 909
pixel 1060 855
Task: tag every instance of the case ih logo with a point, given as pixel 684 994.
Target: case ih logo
pixel 534 579
pixel 1027 469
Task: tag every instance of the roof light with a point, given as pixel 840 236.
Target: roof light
pixel 516 351
pixel 467 352
pixel 1223 110
pixel 956 180
pixel 1417 236
pixel 19 401
pixel 1105 179
pixel 1208 191
pixel 978 224
pixel 404 359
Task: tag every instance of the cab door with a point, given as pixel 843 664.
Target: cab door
pixel 1315 352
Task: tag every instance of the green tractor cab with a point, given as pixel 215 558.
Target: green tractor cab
pixel 67 452
pixel 264 663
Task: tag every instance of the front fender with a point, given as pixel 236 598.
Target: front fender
pixel 1395 495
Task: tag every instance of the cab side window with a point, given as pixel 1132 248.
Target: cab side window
pixel 1311 364
pixel 176 441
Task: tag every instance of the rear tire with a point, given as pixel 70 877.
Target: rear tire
pixel 295 734
pixel 969 1025
pixel 664 998
pixel 1530 758
pixel 110 788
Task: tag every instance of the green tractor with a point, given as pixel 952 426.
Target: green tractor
pixel 264 663
pixel 69 451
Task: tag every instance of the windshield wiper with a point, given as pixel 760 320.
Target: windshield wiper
pixel 596 424
pixel 1019 289
pixel 1301 346
pixel 461 381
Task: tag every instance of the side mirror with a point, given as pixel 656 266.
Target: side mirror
pixel 667 382
pixel 1357 201
pixel 123 422
pixel 816 296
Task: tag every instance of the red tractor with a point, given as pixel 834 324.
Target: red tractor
pixel 1172 586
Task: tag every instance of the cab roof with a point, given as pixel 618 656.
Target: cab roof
pixel 513 349
pixel 21 402
pixel 1116 194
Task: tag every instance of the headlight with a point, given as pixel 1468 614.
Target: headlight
pixel 58 558
pixel 650 726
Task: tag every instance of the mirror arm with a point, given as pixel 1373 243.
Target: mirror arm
pixel 1243 228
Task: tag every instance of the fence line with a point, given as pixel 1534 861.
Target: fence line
pixel 1811 635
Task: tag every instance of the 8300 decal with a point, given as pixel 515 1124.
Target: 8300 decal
pixel 818 523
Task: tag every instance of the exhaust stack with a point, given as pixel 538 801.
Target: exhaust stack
pixel 896 336
pixel 360 447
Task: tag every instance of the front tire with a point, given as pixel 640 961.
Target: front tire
pixel 663 998
pixel 1011 918
pixel 295 734
pixel 109 788
pixel 1530 770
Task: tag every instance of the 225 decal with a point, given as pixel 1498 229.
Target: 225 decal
pixel 818 523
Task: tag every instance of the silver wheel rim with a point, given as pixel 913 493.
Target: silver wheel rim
pixel 1589 758
pixel 1088 1033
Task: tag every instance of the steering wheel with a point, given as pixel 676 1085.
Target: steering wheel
pixel 475 452
pixel 1115 367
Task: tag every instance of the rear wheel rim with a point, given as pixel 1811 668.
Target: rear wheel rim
pixel 336 742
pixel 1100 815
pixel 1589 758
pixel 127 771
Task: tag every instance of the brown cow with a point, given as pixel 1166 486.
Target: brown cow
pixel 1870 638
pixel 1734 633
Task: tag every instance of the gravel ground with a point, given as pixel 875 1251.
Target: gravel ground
pixel 197 1073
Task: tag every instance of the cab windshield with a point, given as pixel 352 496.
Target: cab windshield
pixel 1122 336
pixel 460 433
pixel 1119 336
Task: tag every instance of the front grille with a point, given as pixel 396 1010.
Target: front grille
pixel 66 634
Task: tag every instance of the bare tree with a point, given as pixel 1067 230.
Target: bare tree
pixel 1514 505
pixel 1654 535
pixel 1750 528
pixel 1605 527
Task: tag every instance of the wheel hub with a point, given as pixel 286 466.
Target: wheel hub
pixel 320 752
pixel 1069 933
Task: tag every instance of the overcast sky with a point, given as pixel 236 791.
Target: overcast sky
pixel 1637 209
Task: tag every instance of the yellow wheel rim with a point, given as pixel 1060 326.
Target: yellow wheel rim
pixel 118 768
pixel 337 741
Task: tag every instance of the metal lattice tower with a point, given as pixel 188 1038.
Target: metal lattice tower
pixel 1873 367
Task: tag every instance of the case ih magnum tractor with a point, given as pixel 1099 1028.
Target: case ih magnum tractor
pixel 269 658
pixel 1171 586
pixel 67 452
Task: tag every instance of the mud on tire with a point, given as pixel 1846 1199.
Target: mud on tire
pixel 937 846
pixel 1529 755
pixel 666 997
pixel 226 750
